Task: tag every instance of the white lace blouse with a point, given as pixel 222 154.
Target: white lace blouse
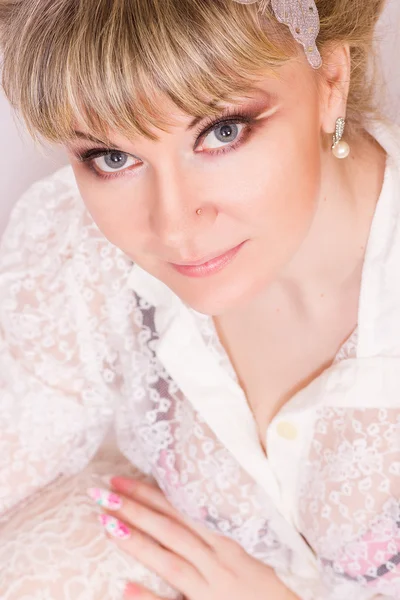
pixel 92 346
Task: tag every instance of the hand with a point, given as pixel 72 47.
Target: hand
pixel 197 562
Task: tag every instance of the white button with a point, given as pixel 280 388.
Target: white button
pixel 287 430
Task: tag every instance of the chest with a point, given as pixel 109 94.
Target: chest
pixel 274 364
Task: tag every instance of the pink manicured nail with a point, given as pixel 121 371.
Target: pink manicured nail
pixel 115 527
pixel 105 498
pixel 132 590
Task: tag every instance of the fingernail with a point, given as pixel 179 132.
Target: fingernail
pixel 105 498
pixel 125 484
pixel 115 527
pixel 131 590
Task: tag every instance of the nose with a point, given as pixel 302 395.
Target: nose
pixel 174 217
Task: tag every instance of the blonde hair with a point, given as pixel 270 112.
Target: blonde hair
pixel 106 62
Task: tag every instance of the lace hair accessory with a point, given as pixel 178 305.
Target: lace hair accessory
pixel 302 18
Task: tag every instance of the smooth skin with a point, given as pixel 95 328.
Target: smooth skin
pixel 282 189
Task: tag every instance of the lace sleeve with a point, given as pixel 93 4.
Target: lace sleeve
pixel 58 376
pixel 350 501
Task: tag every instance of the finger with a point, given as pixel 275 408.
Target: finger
pixel 134 590
pixel 146 493
pixel 179 573
pixel 170 533
pixel 153 496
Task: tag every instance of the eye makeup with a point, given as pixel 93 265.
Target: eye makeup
pixel 249 118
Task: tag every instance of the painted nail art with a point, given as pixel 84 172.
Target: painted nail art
pixel 115 527
pixel 105 498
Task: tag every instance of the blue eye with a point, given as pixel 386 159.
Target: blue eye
pixel 224 134
pixel 113 161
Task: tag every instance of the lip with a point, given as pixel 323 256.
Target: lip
pixel 211 265
pixel 202 261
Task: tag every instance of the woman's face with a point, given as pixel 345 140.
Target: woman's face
pixel 255 182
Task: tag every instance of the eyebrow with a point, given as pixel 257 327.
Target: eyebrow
pixel 192 124
pixel 87 136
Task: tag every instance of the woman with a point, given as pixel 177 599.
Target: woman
pixel 226 322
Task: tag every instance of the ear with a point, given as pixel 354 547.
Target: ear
pixel 334 85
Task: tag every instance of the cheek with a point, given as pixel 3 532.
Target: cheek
pixel 292 198
pixel 114 212
pixel 281 200
pixel 299 182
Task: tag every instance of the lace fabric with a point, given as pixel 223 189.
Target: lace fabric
pixel 53 548
pixel 79 373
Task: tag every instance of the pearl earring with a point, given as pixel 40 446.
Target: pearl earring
pixel 340 148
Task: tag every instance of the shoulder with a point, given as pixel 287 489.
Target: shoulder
pixel 44 217
pixel 57 267
pixel 60 278
pixel 50 227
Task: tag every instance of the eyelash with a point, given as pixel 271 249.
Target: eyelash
pixel 239 116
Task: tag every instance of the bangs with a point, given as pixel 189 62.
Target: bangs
pixel 107 64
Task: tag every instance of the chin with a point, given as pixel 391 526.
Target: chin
pixel 217 298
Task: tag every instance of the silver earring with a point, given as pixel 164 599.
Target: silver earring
pixel 340 148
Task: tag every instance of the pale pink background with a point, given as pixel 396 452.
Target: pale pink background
pixel 22 163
